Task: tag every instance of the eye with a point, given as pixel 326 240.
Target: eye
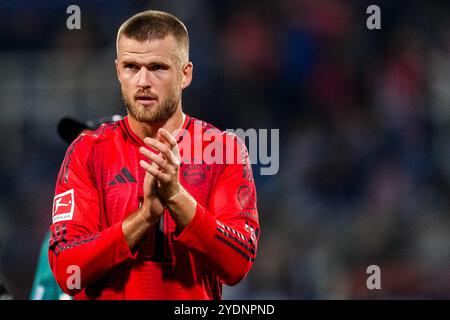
pixel 157 66
pixel 131 66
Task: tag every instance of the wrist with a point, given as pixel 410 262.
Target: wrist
pixel 175 196
pixel 180 199
pixel 171 193
pixel 145 214
pixel 181 206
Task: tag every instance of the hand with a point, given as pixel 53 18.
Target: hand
pixel 152 205
pixel 165 165
pixel 136 225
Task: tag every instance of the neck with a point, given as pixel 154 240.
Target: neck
pixel 150 129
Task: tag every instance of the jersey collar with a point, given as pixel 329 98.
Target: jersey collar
pixel 126 126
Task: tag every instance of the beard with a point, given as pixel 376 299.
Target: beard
pixel 159 112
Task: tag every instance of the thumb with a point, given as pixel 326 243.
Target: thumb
pixel 149 182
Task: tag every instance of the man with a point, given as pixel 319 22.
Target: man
pixel 139 213
pixel 44 284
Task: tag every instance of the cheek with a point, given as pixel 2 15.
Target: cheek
pixel 126 83
pixel 165 86
pixel 126 79
pixel 173 87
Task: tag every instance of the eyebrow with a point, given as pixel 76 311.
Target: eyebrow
pixel 152 63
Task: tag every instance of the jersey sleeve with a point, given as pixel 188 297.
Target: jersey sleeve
pixel 44 284
pixel 225 233
pixel 79 251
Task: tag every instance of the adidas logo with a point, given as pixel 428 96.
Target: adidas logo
pixel 123 177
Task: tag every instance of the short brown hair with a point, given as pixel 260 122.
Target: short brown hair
pixel 155 25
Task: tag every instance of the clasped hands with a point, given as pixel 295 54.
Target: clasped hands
pixel 161 182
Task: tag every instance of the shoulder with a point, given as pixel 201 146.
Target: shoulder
pixel 211 132
pixel 227 142
pixel 84 146
pixel 106 132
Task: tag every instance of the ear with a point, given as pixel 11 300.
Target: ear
pixel 187 75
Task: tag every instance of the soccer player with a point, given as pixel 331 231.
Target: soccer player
pixel 139 211
pixel 44 284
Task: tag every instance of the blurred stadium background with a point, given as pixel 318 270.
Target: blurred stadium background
pixel 364 119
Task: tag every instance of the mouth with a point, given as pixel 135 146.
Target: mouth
pixel 145 99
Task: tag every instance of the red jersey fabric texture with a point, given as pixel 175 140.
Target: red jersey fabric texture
pixel 100 184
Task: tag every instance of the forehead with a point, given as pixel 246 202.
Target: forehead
pixel 165 48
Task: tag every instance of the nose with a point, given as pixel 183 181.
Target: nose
pixel 144 78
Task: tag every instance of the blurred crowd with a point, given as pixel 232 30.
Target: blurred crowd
pixel 364 119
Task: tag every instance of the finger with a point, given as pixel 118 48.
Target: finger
pixel 164 149
pixel 159 175
pixel 168 137
pixel 154 171
pixel 173 144
pixel 150 183
pixel 162 163
pixel 155 144
pixel 150 179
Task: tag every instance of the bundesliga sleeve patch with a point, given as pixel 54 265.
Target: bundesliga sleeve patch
pixel 63 205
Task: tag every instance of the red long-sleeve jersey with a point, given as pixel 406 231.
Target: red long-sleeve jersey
pixel 101 182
